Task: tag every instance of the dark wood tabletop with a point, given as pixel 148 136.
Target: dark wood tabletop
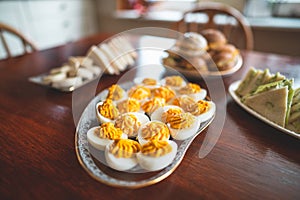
pixel 248 160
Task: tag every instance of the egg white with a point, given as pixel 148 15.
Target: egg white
pixel 157 114
pixel 140 138
pixel 157 163
pixel 185 133
pixel 207 115
pixel 120 164
pixel 98 142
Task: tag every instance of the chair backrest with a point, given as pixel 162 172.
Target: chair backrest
pixel 27 45
pixel 218 16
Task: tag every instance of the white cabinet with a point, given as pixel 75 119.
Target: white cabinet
pixel 49 23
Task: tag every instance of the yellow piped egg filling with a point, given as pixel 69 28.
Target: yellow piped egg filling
pixel 164 92
pixel 129 105
pixel 109 131
pixel 153 104
pixel 156 148
pixel 170 113
pixel 149 81
pixel 155 131
pixel 124 148
pixel 185 102
pixel 190 88
pixel 115 92
pixel 139 92
pixel 174 81
pixel 108 109
pixel 199 108
pixel 128 123
pixel 181 121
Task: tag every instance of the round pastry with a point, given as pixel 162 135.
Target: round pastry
pixel 190 44
pixel 215 38
pixel 224 57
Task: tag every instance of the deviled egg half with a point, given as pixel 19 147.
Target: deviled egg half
pixel 120 154
pixel 150 83
pixel 174 82
pixel 164 92
pixel 116 93
pixel 202 109
pixel 193 90
pixel 129 105
pixel 162 113
pixel 106 111
pixel 153 104
pixel 183 125
pixel 153 130
pixel 139 92
pixel 157 154
pixel 100 136
pixel 130 122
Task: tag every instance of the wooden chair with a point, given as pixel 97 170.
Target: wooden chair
pixel 27 45
pixel 218 16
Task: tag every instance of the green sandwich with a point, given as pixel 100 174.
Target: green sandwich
pixel 294 118
pixel 272 96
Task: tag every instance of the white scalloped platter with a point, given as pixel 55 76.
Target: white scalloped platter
pixel 93 161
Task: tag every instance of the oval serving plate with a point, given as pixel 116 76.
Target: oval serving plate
pixel 232 89
pixel 206 73
pixel 96 167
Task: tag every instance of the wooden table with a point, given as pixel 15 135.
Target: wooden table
pixel 250 159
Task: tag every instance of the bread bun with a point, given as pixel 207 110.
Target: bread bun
pixel 215 38
pixel 224 57
pixel 190 44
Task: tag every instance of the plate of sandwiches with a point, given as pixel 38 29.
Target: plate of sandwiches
pixel 109 57
pixel 271 98
pixel 207 53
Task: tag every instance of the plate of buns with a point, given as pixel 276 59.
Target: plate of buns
pixel 271 98
pixel 207 54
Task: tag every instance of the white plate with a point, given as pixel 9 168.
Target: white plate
pixel 193 73
pixel 39 80
pixel 232 89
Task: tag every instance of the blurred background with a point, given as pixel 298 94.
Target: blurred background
pixel 51 23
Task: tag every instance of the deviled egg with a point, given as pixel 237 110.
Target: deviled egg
pixel 129 105
pixel 202 109
pixel 100 136
pixel 153 130
pixel 164 92
pixel 183 101
pixel 193 90
pixel 152 104
pixel 120 154
pixel 116 93
pixel 156 154
pixel 106 111
pixel 130 122
pixel 174 82
pixel 150 83
pixel 162 113
pixel 139 92
pixel 183 125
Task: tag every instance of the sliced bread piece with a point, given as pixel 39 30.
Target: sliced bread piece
pixel 271 104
